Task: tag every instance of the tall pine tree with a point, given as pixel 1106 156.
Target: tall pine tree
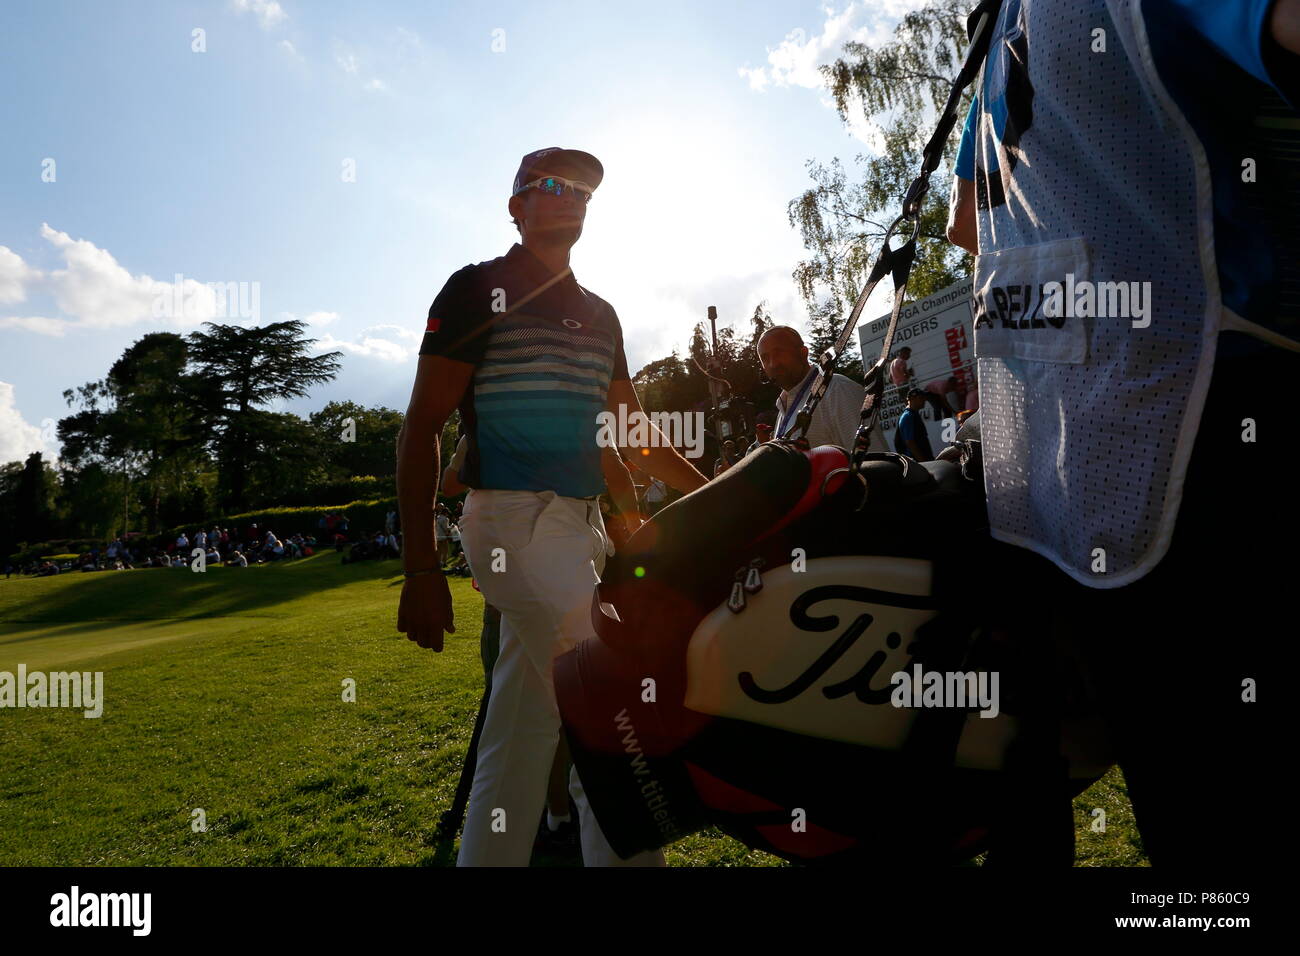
pixel 240 370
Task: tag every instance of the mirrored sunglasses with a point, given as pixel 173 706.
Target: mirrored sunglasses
pixel 558 185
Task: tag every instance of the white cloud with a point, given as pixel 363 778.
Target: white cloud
pixel 795 61
pixel 14 276
pixel 390 343
pixel 290 49
pixel 400 331
pixel 757 77
pixel 268 12
pixel 36 323
pixel 94 288
pixel 351 64
pixel 95 291
pixel 312 318
pixel 377 341
pixel 18 439
pixel 385 349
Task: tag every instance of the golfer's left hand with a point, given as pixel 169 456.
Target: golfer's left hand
pixel 424 610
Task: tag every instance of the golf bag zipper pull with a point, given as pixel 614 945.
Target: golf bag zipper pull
pixel 736 602
pixel 753 580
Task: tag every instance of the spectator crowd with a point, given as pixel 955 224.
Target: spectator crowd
pixel 951 395
pixel 231 547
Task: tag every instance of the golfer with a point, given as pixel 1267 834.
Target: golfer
pixel 530 358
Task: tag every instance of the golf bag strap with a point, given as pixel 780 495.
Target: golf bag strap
pixel 898 262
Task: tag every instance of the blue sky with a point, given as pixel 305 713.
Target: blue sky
pixel 231 165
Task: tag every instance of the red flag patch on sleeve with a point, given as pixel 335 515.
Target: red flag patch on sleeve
pixel 433 325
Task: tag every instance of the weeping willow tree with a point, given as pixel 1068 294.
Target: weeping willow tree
pixel 898 89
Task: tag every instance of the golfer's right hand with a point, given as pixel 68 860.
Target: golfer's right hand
pixel 424 610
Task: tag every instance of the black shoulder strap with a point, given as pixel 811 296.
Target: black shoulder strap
pixel 897 263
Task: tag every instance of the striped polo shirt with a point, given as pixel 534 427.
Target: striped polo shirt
pixel 541 376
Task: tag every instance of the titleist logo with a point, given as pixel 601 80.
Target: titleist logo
pixel 910 687
pixel 860 683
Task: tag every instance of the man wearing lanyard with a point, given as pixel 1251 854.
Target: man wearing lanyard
pixel 835 421
pixel 530 358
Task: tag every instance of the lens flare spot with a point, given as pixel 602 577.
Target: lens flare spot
pixel 639 572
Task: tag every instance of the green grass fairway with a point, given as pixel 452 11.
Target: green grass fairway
pixel 223 691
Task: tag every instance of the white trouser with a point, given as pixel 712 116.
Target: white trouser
pixel 548 553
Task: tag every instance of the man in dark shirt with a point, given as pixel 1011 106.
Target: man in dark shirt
pixel 531 358
pixel 911 438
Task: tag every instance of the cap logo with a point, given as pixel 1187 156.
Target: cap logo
pixel 572 324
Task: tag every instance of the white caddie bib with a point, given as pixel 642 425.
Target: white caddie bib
pixel 1097 302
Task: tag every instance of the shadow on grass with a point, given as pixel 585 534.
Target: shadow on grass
pixel 444 852
pixel 79 627
pixel 176 594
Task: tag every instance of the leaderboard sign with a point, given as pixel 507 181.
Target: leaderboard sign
pixel 938 331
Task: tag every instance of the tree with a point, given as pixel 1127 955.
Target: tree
pixel 156 398
pixel 98 443
pixel 665 385
pixel 147 430
pixel 736 357
pixel 363 447
pixel 92 496
pixel 33 500
pixel 11 473
pixel 824 326
pixel 900 88
pixel 241 369
pixel 285 454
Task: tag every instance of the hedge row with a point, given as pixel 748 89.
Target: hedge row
pixel 356 488
pixel 362 516
pixel 42 549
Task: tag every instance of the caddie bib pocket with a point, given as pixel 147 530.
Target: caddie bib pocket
pixel 1034 303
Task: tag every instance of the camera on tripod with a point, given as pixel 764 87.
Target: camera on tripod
pixel 731 420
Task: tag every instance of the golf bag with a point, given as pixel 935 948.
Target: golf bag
pixel 742 673
pixel 823 652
